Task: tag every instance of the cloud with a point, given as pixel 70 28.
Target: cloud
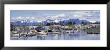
pixel 86 15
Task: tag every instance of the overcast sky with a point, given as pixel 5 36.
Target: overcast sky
pixel 42 15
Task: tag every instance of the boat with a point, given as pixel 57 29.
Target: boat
pixel 56 32
pixel 42 33
pixel 69 31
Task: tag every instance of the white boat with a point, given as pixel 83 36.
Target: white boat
pixel 69 31
pixel 56 32
pixel 42 32
pixel 14 32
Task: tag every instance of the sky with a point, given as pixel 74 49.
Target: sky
pixel 42 15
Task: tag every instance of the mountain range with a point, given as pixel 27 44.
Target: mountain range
pixel 64 22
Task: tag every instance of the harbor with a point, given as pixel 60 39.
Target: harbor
pixel 54 33
pixel 55 25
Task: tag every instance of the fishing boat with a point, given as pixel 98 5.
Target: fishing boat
pixel 69 31
pixel 14 34
pixel 56 32
pixel 42 33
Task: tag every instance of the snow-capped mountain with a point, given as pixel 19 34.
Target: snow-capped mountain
pixel 76 21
